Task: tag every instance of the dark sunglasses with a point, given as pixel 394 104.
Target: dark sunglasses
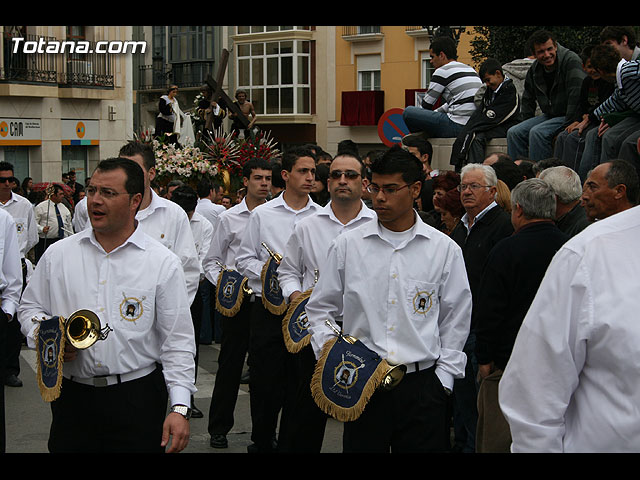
pixel 349 174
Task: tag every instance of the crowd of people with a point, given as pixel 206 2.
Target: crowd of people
pixel 502 285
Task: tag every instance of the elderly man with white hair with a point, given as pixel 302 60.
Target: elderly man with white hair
pixel 570 215
pixel 483 225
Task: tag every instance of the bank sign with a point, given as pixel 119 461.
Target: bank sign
pixel 20 132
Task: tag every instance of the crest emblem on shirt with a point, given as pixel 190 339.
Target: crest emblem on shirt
pixel 422 302
pixel 20 227
pixel 131 308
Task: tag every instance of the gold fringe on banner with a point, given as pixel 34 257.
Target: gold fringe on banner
pixel 49 394
pixel 230 312
pixel 275 309
pixel 293 346
pixel 338 412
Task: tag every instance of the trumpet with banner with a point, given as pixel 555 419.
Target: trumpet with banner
pixel 347 374
pixel 295 326
pixel 82 329
pixel 272 297
pixel 232 288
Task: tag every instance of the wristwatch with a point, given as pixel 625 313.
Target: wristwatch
pixel 182 410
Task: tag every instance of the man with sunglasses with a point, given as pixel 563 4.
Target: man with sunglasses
pixel 399 286
pixel 304 261
pixel 483 225
pixel 21 210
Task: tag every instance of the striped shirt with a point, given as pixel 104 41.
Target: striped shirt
pixel 456 83
pixel 627 93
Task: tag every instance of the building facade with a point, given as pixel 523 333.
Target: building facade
pixel 65 98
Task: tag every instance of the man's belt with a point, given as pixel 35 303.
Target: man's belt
pixel 109 380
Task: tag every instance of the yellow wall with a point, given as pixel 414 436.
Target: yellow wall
pixel 400 62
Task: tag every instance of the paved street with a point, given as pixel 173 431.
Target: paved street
pixel 28 417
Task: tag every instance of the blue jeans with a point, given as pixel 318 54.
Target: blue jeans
pixel 435 124
pixel 532 138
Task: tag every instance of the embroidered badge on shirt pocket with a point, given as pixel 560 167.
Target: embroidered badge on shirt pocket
pixel 422 299
pixel 135 308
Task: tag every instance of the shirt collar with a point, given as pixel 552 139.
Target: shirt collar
pixel 280 202
pixel 465 217
pixel 370 229
pixel 137 238
pixel 365 212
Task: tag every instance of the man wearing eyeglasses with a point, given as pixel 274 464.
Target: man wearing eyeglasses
pixel 399 286
pixel 483 225
pixel 304 261
pixel 136 286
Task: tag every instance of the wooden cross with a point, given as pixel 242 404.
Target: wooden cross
pixel 219 94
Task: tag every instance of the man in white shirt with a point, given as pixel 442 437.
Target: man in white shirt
pixel 209 209
pixel 304 261
pixel 164 220
pixel 272 223
pixel 22 212
pixel 571 383
pixel 234 342
pixel 10 289
pixel 80 219
pixel 202 231
pixel 401 289
pixel 206 201
pixel 53 220
pixel 137 287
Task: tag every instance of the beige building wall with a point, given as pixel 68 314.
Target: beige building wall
pixel 108 110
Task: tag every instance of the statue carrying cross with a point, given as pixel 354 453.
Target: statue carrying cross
pixel 241 111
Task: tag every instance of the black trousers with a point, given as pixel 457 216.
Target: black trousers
pixel 306 426
pixel 122 418
pixel 272 368
pixel 411 418
pixel 233 351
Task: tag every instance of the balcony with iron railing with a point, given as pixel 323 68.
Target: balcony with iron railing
pixel 61 67
pixel 352 33
pixel 160 75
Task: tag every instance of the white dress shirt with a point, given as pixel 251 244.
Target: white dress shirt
pixel 202 231
pixel 45 214
pixel 209 210
pixel 80 219
pixel 226 240
pixel 166 222
pixel 22 212
pixel 11 273
pixel 410 303
pixel 307 248
pixel 77 273
pixel 572 383
pixel 271 223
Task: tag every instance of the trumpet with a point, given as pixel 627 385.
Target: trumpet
pixel 83 329
pixel 392 376
pixel 276 256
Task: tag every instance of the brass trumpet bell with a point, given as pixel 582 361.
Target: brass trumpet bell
pixel 393 376
pixel 83 329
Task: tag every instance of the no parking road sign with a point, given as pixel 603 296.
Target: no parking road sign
pixel 391 127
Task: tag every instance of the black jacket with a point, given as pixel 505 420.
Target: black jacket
pixel 513 272
pixel 498 109
pixel 492 227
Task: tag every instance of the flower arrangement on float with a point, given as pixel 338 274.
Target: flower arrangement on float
pixel 186 163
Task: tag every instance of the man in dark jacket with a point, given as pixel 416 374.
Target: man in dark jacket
pixel 553 82
pixel 510 280
pixel 500 110
pixel 483 225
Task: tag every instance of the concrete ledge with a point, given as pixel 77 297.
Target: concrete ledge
pixel 442 151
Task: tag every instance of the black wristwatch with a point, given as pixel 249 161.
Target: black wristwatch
pixel 182 410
